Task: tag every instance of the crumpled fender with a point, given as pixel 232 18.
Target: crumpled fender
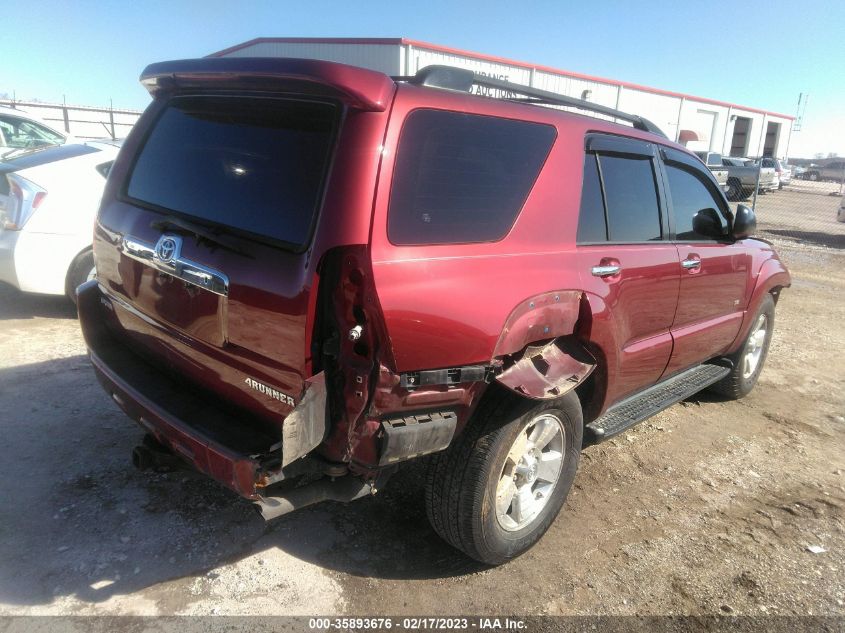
pixel 539 357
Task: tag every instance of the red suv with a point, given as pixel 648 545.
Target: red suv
pixel 309 273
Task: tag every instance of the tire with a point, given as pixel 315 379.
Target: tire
pixel 734 191
pixel 743 377
pixel 812 176
pixel 463 481
pixel 81 270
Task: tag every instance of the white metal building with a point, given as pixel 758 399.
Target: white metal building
pixel 702 123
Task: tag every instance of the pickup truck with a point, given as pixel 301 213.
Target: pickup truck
pixel 713 160
pixel 742 178
pixel 832 171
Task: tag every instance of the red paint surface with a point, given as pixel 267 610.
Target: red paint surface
pixel 426 307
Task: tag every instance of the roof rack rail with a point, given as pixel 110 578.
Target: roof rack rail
pixel 462 80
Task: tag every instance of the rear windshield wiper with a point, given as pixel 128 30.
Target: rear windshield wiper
pixel 199 231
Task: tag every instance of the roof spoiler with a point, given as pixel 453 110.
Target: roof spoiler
pixel 358 87
pixel 462 80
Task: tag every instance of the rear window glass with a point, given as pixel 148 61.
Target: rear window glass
pixel 463 178
pixel 251 164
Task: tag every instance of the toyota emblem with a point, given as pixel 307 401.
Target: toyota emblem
pixel 166 249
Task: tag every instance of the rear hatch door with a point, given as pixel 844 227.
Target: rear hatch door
pixel 204 238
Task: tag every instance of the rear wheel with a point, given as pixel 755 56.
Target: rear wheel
pixel 748 361
pixel 498 488
pixel 81 270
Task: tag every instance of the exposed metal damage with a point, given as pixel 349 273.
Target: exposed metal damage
pixel 548 371
pixel 539 356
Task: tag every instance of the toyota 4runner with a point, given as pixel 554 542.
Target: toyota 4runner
pixel 310 273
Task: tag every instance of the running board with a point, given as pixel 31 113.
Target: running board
pixel 647 403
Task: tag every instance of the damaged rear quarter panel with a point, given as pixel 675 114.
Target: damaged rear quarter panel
pixel 541 357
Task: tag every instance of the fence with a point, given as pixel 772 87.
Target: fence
pixel 81 121
pixel 803 211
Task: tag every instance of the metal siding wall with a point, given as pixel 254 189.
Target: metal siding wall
pixel 600 93
pixel 603 94
pixel 699 117
pixel 662 110
pixel 420 58
pixel 381 57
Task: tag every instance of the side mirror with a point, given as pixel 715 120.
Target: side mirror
pixel 707 222
pixel 745 223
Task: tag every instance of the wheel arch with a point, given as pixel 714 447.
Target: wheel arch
pixel 557 342
pixel 89 249
pixel 772 278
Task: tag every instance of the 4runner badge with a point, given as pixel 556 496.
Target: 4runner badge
pixel 269 391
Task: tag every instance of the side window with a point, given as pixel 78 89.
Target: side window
pixel 633 212
pixel 694 207
pixel 20 134
pixel 462 178
pixel 6 132
pixel 591 222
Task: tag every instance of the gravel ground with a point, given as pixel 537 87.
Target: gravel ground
pixel 710 507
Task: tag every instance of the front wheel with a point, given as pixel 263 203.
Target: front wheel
pixel 497 489
pixel 748 361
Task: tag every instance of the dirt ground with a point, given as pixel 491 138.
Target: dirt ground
pixel 708 508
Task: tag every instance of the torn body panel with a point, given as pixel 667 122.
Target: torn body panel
pixel 305 426
pixel 539 318
pixel 548 371
pixel 540 358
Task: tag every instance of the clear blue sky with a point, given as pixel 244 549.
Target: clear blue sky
pixel 754 53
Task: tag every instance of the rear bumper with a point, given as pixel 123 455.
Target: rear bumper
pixel 38 262
pixel 166 409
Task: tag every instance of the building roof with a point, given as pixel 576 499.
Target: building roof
pixel 490 58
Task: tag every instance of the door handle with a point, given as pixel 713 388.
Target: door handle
pixel 606 271
pixel 691 263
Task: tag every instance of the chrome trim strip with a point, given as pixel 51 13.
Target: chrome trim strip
pixel 174 264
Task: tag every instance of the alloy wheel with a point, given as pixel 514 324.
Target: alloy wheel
pixel 754 347
pixel 530 472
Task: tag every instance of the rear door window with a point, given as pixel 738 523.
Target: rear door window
pixel 592 226
pixel 630 191
pixel 256 165
pixel 462 178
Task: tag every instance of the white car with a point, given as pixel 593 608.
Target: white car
pixel 48 203
pixel 20 130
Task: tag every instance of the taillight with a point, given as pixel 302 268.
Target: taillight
pixel 24 199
